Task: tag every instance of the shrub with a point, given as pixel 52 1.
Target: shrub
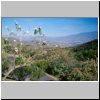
pixel 5 65
pixel 20 74
pixel 19 60
pixel 88 71
pixel 36 72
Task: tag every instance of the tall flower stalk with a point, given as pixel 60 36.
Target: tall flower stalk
pixel 14 51
pixel 19 29
pixel 38 36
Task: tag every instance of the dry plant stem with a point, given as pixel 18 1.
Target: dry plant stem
pixel 6 51
pixel 14 60
pixel 20 49
pixel 20 45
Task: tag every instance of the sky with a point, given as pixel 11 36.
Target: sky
pixel 52 27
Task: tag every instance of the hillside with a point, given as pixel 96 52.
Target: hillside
pixel 86 51
pixel 77 63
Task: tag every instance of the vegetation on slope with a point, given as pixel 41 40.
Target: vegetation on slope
pixel 67 64
pixel 87 51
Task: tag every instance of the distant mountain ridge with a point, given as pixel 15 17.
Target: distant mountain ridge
pixel 73 40
pixel 66 41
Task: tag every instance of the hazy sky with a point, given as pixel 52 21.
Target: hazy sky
pixel 53 26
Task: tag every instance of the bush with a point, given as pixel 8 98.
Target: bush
pixel 19 60
pixel 5 65
pixel 43 64
pixel 67 64
pixel 35 72
pixel 20 74
pixel 86 51
pixel 88 71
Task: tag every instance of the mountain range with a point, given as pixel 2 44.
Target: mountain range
pixel 65 41
pixel 74 40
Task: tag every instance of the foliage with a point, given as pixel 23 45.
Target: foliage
pixel 86 51
pixel 67 64
pixel 25 51
pixel 89 72
pixel 19 74
pixel 36 72
pixel 5 65
pixel 19 60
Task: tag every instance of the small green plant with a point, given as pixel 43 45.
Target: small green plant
pixel 5 65
pixel 20 74
pixel 19 60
